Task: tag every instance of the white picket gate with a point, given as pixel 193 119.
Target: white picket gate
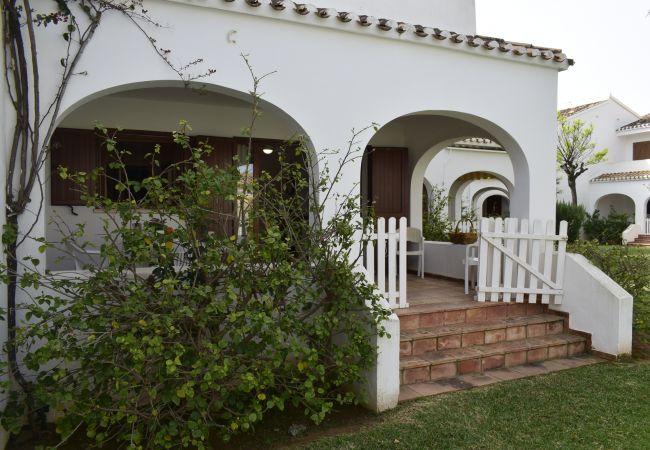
pixel 388 247
pixel 517 261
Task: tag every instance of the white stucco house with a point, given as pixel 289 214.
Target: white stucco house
pixel 622 182
pixel 409 66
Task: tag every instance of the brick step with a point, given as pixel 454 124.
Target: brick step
pixel 430 315
pixel 445 337
pixel 476 359
pixel 639 244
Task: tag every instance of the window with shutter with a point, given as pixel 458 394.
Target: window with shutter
pixel 76 150
pixel 641 150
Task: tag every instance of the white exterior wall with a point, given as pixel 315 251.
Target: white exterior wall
pixel 457 15
pixel 331 77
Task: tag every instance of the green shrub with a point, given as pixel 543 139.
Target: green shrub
pixel 574 215
pixel 241 326
pixel 436 225
pixel 606 230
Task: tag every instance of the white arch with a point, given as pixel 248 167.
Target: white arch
pixel 481 198
pixel 459 186
pixel 426 133
pixel 621 203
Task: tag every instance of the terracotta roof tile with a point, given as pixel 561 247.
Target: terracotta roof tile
pixel 567 112
pixel 622 176
pixel 643 122
pixel 494 46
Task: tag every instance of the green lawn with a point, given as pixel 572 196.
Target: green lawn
pixel 602 406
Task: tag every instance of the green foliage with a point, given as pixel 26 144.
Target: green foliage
pixel 218 329
pixel 575 151
pixel 606 230
pixel 574 215
pixel 436 225
pixel 627 266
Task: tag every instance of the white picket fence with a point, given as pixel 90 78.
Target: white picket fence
pixel 387 247
pixel 515 260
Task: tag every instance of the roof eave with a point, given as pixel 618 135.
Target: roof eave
pixel 307 14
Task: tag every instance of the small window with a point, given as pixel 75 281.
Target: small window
pixel 641 150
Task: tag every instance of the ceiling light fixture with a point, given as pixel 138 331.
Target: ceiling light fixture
pixel 267 151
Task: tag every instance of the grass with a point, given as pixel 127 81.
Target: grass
pixel 601 406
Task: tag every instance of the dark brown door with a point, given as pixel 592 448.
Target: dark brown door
pixel 77 151
pixel 389 187
pixel 223 220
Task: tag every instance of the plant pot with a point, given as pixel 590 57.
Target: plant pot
pixel 463 238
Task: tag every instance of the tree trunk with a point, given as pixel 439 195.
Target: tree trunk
pixel 574 192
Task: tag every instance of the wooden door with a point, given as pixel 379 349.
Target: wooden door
pixel 389 184
pixel 223 216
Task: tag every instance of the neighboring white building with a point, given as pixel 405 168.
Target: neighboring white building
pixel 622 182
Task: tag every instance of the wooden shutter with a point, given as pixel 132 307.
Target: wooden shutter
pixel 77 150
pixel 223 217
pixel 641 150
pixel 389 186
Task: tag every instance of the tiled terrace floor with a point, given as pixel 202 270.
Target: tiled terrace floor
pixel 430 290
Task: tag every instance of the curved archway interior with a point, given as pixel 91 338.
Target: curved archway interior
pixel 399 153
pixel 148 114
pixel 618 203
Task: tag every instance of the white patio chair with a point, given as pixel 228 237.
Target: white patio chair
pixel 471 260
pixel 414 236
pixel 83 257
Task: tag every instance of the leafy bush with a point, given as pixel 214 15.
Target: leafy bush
pixel 222 330
pixel 436 225
pixel 574 215
pixel 629 267
pixel 606 230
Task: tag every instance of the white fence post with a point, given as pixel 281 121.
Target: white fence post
pixel 387 245
pixel 402 263
pixel 381 251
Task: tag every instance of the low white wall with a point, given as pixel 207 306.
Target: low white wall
pixel 597 305
pixel 631 233
pixel 382 381
pixel 442 258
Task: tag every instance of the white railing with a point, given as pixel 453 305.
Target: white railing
pixel 388 248
pixel 517 261
pixel 647 226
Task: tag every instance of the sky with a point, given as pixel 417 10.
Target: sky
pixel 608 39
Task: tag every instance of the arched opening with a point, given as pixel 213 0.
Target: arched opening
pixel 400 152
pixel 495 205
pixel 464 190
pixel 615 203
pixel 146 115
